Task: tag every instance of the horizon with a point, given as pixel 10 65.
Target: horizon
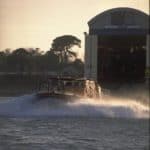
pixel 32 24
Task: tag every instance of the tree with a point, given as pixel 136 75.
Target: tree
pixel 51 61
pixel 7 51
pixel 79 65
pixel 2 61
pixel 20 57
pixel 20 52
pixel 2 54
pixel 35 52
pixel 63 47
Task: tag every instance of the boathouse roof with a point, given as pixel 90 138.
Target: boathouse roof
pixel 120 21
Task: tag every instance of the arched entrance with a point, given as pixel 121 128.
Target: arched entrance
pixel 117 46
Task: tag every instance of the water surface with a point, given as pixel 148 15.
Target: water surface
pixel 29 123
pixel 74 133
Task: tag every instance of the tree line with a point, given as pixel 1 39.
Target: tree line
pixel 60 59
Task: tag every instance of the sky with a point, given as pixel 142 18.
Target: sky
pixel 35 23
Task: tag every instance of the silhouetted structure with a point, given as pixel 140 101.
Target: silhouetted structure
pixel 117 47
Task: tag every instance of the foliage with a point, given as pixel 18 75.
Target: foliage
pixel 32 60
pixel 62 46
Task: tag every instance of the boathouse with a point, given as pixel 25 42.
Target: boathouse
pixel 117 47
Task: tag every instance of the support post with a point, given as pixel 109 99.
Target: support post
pixel 90 69
pixel 147 72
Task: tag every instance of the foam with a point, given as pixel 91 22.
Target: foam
pixel 31 106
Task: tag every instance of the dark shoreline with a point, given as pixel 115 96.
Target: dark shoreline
pixel 14 93
pixel 17 89
pixel 18 84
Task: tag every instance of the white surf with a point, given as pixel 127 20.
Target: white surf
pixel 31 106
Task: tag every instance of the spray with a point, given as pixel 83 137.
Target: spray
pixel 106 106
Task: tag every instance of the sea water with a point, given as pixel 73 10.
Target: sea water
pixel 30 123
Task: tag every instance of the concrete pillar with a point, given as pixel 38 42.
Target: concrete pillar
pixel 87 59
pixel 94 48
pixel 147 59
pixel 90 70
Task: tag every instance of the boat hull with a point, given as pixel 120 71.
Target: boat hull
pixel 57 96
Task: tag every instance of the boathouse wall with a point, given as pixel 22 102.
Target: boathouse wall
pixel 117 47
